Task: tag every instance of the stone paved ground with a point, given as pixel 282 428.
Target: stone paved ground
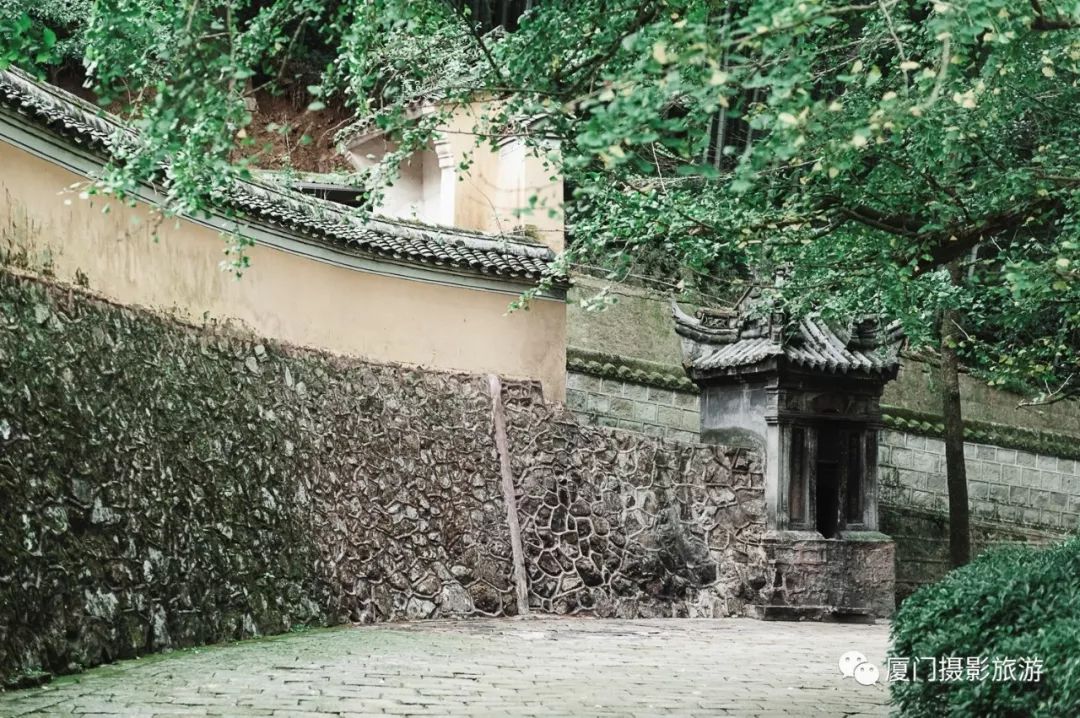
pixel 532 667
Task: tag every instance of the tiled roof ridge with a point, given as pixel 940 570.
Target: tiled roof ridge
pixel 741 339
pixel 497 256
pixel 516 244
pixel 506 243
pixel 325 209
pixel 366 126
pixel 89 123
pixel 630 369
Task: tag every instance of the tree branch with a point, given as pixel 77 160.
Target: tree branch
pixel 904 225
pixel 1068 389
pixel 645 14
pixel 1043 23
pixel 939 247
pixel 475 32
pixel 954 242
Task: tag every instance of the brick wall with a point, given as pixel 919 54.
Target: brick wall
pixel 1015 496
pixel 1004 485
pixel 666 413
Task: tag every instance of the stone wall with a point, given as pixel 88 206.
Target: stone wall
pixel 621 524
pixel 1007 486
pixel 1024 483
pixel 813 577
pixel 163 485
pixel 652 410
pixel 1015 495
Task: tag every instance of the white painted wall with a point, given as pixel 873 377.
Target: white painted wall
pixel 487 197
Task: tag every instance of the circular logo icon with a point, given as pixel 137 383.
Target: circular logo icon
pixel 849 661
pixel 866 674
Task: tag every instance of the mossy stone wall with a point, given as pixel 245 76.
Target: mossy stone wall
pixel 638 329
pixel 163 486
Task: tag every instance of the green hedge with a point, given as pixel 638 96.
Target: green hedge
pixel 1014 602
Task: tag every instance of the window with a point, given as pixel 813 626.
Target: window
pixel 728 128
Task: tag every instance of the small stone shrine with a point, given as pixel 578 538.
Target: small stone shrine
pixel 806 396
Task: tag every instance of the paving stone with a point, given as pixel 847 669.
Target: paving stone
pixel 500 667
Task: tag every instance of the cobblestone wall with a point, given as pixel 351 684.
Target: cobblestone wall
pixel 667 413
pixel 622 524
pixel 163 485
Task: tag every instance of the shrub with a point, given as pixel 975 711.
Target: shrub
pixel 1015 602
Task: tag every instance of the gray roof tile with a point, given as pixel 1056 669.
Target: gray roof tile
pixel 85 124
pixel 740 341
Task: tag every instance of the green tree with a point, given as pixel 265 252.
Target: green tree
pixel 903 157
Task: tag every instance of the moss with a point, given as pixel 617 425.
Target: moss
pixel 163 486
pixel 637 325
pixel 638 371
pixel 1009 437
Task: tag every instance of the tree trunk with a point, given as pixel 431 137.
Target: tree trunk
pixel 955 469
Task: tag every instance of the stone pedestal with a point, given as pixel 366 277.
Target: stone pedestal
pixel 850 578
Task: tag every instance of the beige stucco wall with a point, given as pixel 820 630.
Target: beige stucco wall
pixel 282 296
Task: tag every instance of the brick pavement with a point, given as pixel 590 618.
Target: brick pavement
pixel 507 667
